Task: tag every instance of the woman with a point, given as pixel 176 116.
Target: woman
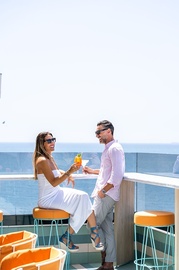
pixel 51 195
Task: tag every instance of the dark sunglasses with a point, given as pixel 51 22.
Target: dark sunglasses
pixel 97 132
pixel 50 140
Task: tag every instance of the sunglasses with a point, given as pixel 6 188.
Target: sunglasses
pixel 97 132
pixel 50 140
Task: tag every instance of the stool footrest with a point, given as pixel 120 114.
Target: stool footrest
pixel 149 263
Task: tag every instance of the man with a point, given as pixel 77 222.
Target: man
pixel 107 190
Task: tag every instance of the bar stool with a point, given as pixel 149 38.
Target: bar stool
pixel 151 221
pixel 1 221
pixel 55 216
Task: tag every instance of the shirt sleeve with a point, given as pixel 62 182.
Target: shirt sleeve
pixel 116 155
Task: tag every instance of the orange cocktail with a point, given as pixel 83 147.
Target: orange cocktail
pixel 78 159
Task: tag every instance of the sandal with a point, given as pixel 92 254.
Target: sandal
pixel 98 246
pixel 66 241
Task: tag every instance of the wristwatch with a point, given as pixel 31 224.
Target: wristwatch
pixel 103 191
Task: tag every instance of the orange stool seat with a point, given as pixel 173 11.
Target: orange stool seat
pixel 154 218
pixel 149 257
pixel 49 214
pixel 1 221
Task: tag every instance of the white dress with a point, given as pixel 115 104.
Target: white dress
pixel 73 201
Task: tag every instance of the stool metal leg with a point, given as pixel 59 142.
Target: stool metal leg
pixel 50 233
pixel 144 248
pixel 154 253
pixel 170 243
pixel 38 222
pixel 36 231
pixel 57 233
pixel 173 246
pixel 166 253
pixel 55 223
pixel 135 245
pixel 140 263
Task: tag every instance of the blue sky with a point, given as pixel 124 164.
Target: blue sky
pixel 68 64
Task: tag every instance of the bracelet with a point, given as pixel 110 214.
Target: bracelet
pixel 67 174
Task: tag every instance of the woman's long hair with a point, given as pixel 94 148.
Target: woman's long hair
pixel 40 149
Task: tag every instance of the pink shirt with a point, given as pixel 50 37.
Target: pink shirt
pixel 111 170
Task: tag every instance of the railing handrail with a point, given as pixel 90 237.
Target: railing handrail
pixel 152 179
pixel 31 176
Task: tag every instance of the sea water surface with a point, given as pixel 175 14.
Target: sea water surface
pixel 162 148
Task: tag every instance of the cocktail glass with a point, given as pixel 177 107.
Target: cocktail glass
pixel 84 162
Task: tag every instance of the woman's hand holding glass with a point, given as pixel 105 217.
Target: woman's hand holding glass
pixel 74 167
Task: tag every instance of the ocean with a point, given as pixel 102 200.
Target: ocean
pixel 162 148
pixel 18 197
